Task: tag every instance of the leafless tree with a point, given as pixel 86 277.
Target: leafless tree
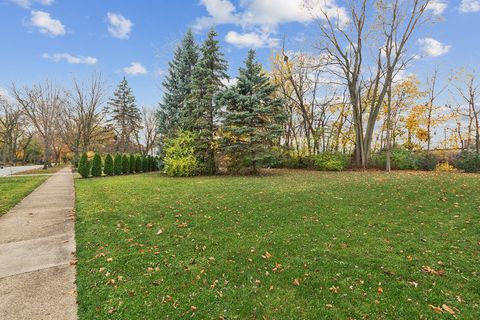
pixel 11 128
pixel 347 43
pixel 81 122
pixel 467 88
pixel 43 104
pixel 147 136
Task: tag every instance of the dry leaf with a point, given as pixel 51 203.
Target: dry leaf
pixel 436 309
pixel 448 309
pixel 277 267
pixel 267 255
pixel 334 289
pixel 430 270
pixel 296 282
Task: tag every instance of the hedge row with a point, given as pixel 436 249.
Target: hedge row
pixel 401 159
pixel 116 165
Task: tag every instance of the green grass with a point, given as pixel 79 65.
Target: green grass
pixel 14 189
pixel 342 236
pixel 50 170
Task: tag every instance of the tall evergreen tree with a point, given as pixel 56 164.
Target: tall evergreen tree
pixel 208 79
pixel 125 116
pixel 253 118
pixel 177 85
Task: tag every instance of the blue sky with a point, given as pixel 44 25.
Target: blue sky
pixel 59 39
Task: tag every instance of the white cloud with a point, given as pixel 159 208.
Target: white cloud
pixel 468 6
pixel 57 57
pixel 135 69
pixel 119 26
pixel 432 48
pixel 28 3
pixel 437 6
pixel 4 94
pixel 259 19
pixel 267 14
pixel 229 82
pixel 251 40
pixel 46 24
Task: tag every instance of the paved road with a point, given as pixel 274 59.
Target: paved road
pixel 7 171
pixel 37 246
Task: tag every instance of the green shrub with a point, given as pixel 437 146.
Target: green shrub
pixel 108 169
pixel 468 162
pixel 132 163
pixel 138 164
pixel 145 167
pixel 125 164
pixel 426 161
pixel 180 160
pixel 97 165
pixel 117 165
pixel 281 159
pixel 401 159
pixel 331 161
pixel 152 163
pixel 84 166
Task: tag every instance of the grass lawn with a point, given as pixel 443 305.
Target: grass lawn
pixel 293 245
pixel 51 170
pixel 14 189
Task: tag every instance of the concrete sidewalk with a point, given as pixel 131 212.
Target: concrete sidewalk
pixel 37 246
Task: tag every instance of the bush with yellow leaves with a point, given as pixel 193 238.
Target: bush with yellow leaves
pixel 445 167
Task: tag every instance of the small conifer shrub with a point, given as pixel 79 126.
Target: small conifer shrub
pixel 84 166
pixel 97 165
pixel 108 169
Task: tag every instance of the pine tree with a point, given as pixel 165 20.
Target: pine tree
pixel 132 163
pixel 253 117
pixel 97 165
pixel 108 165
pixel 208 79
pixel 177 85
pixel 125 164
pixel 84 166
pixel 125 116
pixel 117 165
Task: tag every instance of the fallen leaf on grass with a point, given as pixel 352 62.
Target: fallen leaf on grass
pixel 160 231
pixel 193 308
pixel 448 309
pixel 267 255
pixel 328 305
pixel 334 289
pixel 436 309
pixel 296 282
pixel 149 225
pixel 182 225
pixel 430 270
pixel 380 291
pixel 277 267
